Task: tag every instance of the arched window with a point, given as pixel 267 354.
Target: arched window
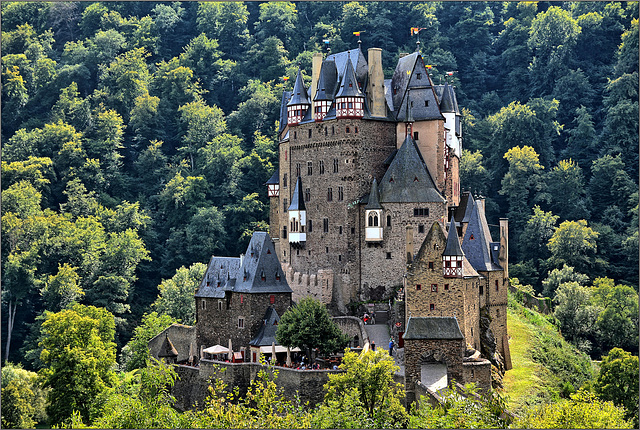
pixel 373 219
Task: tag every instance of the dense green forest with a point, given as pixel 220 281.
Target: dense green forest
pixel 136 138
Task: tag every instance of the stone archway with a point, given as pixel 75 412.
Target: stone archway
pixel 432 370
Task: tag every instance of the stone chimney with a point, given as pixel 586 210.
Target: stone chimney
pixel 503 257
pixel 316 64
pixel 375 91
pixel 409 244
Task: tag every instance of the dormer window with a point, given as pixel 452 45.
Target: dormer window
pixel 262 276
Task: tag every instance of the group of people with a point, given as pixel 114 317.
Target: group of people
pixel 369 319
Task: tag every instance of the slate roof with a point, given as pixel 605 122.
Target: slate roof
pixel 286 95
pixel 327 81
pixel 453 242
pixel 217 276
pixel 477 240
pixel 408 89
pixel 349 83
pixel 300 96
pixel 426 328
pixel 407 180
pixel 267 333
pixel 274 179
pixel 297 200
pixel 447 104
pixel 374 201
pixel 464 209
pixel 358 63
pixel 260 259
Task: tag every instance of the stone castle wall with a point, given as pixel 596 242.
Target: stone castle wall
pixel 181 336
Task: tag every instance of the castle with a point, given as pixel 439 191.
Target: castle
pixel 366 206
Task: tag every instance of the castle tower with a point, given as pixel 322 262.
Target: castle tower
pixel 323 98
pixel 349 99
pixel 297 216
pixel 299 103
pixel 452 255
pixel 373 215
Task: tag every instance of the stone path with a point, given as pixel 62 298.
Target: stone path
pixel 379 333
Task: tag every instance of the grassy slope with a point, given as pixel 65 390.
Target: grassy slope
pixel 543 362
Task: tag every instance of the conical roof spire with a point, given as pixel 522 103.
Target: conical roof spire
pixel 453 242
pixel 374 200
pixel 297 200
pixel 299 95
pixel 327 81
pixel 447 104
pixel 349 85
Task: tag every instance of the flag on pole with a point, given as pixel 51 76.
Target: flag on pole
pixel 416 30
pixel 357 33
pixel 428 66
pixel 285 78
pixel 449 73
pixel 326 41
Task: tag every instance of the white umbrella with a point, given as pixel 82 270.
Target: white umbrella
pixel 273 352
pixel 288 357
pixel 230 351
pixel 216 349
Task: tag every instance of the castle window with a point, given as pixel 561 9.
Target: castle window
pixel 356 129
pixel 295 135
pixel 418 287
pixel 326 249
pixel 284 232
pixel 277 276
pixel 419 76
pixel 432 307
pixel 388 220
pixel 262 276
pixel 421 212
pixel 333 130
pixel 335 165
pixel 325 225
pixel 340 230
pixel 286 153
pixel 321 167
pixel 446 287
pixel 285 204
pixel 348 129
pixel 329 194
pixel 326 131
pixel 272 299
pixel 219 305
pixel 307 194
pixel 412 103
pixel 204 304
pixel 415 135
pixel 481 290
pixel 434 288
pixel 309 133
pixel 240 322
pixel 353 230
pixel 309 226
pixel 241 296
pixel 388 256
pixel 431 265
pixel 309 168
pixel 426 103
pixel 340 193
pixel 421 228
pixel 372 220
pixel 284 180
pixel 497 288
pixel 298 169
pixel 339 257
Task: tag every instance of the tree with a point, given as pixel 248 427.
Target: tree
pixel 573 243
pixel 202 124
pixel 135 354
pixel 565 186
pixel 473 175
pixel 62 290
pixel 227 23
pixel 23 400
pixel 277 19
pixel 534 238
pixel 460 410
pixel 619 318
pixel 80 355
pixel 176 294
pixel 617 381
pixel 367 383
pixel 582 410
pixel 609 186
pixel 576 315
pixel 307 325
pixel 557 277
pixel 581 140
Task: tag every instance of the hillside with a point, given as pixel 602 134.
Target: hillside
pixel 545 366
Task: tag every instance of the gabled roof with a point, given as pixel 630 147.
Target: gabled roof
pixel 453 242
pixel 297 200
pixel 217 276
pixel 411 85
pixel 432 328
pixel 274 179
pixel 349 86
pixel 300 96
pixel 358 62
pixel 407 180
pixel 327 81
pixel 267 333
pixel 464 209
pixel 374 201
pixel 260 262
pixel 477 240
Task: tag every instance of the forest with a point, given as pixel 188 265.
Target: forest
pixel 137 136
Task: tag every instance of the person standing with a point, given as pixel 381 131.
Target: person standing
pixel 391 347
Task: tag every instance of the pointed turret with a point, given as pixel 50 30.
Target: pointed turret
pixel 299 103
pixel 373 216
pixel 449 108
pixel 297 215
pixel 325 90
pixel 452 256
pixel 349 99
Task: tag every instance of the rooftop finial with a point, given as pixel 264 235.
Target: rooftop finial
pixel 418 43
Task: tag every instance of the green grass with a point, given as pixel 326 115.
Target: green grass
pixel 544 364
